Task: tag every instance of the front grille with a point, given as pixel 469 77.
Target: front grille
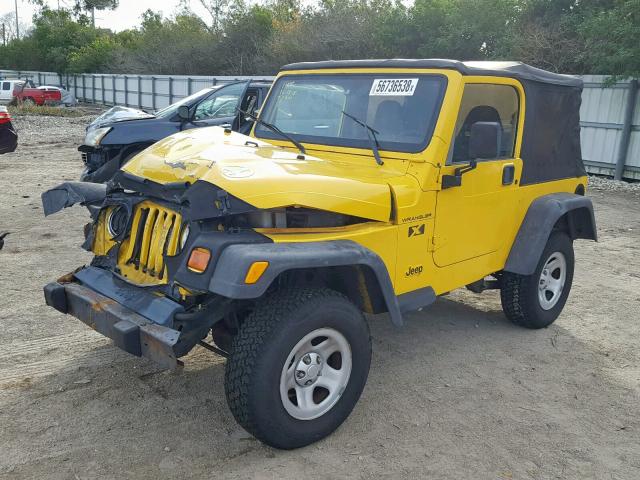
pixel 155 232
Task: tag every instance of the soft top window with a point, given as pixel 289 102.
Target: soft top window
pixel 403 109
pixel 487 103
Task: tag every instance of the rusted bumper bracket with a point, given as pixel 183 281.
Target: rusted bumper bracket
pixel 129 330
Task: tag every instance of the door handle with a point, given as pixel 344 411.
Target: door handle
pixel 508 174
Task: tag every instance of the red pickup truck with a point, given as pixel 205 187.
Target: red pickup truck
pixel 29 95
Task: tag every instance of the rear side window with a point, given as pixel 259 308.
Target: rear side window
pixel 487 103
pixel 6 85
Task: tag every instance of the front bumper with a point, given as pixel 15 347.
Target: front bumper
pixel 116 310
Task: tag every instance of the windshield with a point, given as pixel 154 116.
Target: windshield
pixel 172 109
pixel 402 109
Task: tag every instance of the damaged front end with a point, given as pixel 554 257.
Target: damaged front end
pixel 172 259
pixel 140 289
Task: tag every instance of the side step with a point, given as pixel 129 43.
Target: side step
pixel 484 284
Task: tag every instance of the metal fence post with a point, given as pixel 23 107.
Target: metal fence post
pixel 126 91
pixel 113 84
pixel 623 149
pixel 188 86
pixel 93 88
pixel 75 86
pixel 153 92
pixel 170 90
pixel 84 88
pixel 139 92
pixel 102 89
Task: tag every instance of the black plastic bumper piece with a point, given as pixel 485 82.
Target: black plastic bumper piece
pixel 129 331
pixel 55 296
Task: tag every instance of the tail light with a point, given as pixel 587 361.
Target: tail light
pixel 4 116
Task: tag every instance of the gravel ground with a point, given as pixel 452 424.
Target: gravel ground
pixel 607 185
pixel 457 393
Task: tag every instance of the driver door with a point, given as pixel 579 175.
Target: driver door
pixel 475 218
pixel 221 107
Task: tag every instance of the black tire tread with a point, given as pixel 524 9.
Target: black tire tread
pixel 518 304
pixel 514 303
pixel 252 335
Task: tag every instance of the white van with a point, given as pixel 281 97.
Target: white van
pixel 6 89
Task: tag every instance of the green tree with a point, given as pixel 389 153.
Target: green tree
pixel 461 29
pixel 91 6
pixel 571 36
pixel 243 49
pixel 96 56
pixel 613 39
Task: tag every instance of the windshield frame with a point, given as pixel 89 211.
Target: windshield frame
pixel 361 144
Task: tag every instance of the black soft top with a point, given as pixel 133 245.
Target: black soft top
pixel 517 70
pixel 551 139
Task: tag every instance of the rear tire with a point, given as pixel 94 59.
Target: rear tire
pixel 297 367
pixel 536 300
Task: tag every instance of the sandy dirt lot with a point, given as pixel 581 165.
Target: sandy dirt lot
pixel 459 393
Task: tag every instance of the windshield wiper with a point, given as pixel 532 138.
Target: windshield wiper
pixel 371 133
pixel 275 129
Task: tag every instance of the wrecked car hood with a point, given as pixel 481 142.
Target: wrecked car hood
pixel 118 114
pixel 266 176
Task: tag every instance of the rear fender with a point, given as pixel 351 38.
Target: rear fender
pixel 566 211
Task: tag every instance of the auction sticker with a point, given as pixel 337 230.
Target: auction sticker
pixel 394 87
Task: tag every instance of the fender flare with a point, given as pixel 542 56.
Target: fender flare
pixel 235 260
pixel 542 217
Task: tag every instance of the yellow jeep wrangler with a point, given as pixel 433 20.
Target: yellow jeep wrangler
pixel 368 186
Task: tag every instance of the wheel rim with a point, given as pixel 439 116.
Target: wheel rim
pixel 552 280
pixel 315 374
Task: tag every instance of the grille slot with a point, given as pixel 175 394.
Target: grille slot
pixel 154 233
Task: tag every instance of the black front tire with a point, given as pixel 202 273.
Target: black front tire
pixel 263 345
pixel 519 294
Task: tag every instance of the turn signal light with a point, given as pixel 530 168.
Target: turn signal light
pixel 199 260
pixel 255 272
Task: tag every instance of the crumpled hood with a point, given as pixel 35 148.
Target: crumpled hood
pixel 266 176
pixel 118 114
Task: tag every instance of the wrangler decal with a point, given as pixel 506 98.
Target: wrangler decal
pixel 416 218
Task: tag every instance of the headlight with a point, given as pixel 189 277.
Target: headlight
pixel 184 237
pixel 95 136
pixel 117 221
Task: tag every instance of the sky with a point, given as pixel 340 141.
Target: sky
pixel 127 15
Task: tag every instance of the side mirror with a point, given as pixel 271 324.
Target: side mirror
pixel 455 180
pixel 184 113
pixel 485 140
